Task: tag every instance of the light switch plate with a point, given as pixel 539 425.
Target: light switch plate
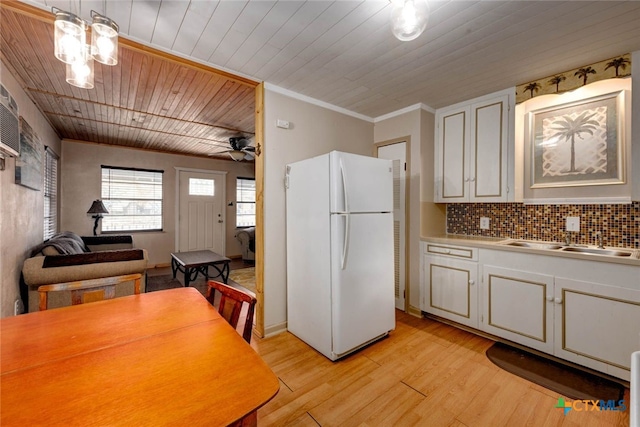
pixel 484 223
pixel 573 223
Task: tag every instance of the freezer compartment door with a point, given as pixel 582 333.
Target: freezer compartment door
pixel 362 293
pixel 360 183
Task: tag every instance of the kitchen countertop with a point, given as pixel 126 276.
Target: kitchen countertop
pixel 497 244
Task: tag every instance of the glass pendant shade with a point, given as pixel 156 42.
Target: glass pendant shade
pixel 104 39
pixel 236 155
pixel 80 73
pixel 409 18
pixel 69 37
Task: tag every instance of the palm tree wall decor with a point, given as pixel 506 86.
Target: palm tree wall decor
pixel 618 67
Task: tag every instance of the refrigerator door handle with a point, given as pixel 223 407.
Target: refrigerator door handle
pixel 345 244
pixel 343 175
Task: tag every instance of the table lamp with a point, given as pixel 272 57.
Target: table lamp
pixel 97 208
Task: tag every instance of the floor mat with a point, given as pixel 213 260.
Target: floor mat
pixel 568 381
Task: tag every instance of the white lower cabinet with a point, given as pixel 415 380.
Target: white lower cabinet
pixel 597 326
pixel 517 307
pixel 578 310
pixel 449 288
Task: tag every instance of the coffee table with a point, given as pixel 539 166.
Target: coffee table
pixel 193 263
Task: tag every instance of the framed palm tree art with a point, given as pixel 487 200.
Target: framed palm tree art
pixel 579 143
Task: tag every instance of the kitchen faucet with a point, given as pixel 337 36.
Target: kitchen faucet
pixel 567 239
pixel 600 242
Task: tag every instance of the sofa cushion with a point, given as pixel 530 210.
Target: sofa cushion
pixel 92 258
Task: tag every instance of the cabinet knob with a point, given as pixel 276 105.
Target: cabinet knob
pixel 473 179
pixel 472 282
pixel 447 251
pixel 466 180
pixel 550 298
pixel 558 300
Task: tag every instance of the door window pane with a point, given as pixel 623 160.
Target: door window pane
pixel 201 187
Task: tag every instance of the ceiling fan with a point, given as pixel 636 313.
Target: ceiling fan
pixel 241 149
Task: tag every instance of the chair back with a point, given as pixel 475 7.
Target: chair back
pixel 230 306
pixel 84 291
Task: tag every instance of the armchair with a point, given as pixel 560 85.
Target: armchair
pixel 246 236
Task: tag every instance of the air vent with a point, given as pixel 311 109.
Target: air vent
pixel 9 128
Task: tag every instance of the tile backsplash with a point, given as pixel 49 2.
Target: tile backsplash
pixel 619 224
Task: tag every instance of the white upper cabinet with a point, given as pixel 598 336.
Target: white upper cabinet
pixel 474 150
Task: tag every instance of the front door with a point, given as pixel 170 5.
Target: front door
pixel 398 154
pixel 201 220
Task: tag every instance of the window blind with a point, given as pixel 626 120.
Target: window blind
pixel 133 198
pixel 50 193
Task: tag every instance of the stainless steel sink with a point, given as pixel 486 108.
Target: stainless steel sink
pixel 596 251
pixel 533 245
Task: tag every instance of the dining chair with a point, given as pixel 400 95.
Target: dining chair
pixel 84 291
pixel 230 306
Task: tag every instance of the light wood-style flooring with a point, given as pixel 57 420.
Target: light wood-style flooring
pixel 425 373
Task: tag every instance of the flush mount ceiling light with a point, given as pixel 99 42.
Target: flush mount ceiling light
pixel 236 155
pixel 71 47
pixel 409 18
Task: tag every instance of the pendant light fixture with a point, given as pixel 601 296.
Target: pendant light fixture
pixel 80 73
pixel 409 18
pixel 70 38
pixel 104 39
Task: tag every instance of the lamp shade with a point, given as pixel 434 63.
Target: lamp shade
pixel 80 72
pixel 97 207
pixel 409 18
pixel 104 39
pixel 69 36
pixel 236 155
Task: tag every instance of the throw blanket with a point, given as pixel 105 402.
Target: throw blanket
pixel 65 243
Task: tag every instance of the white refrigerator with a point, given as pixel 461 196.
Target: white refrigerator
pixel 340 251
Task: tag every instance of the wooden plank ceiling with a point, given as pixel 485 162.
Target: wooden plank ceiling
pixel 149 100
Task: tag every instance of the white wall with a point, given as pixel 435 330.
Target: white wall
pixel 21 209
pixel 417 125
pixel 81 177
pixel 314 130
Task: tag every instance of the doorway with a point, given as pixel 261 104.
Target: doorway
pixel 199 210
pixel 396 151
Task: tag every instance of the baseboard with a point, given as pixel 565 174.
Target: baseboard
pixel 270 331
pixel 160 265
pixel 415 311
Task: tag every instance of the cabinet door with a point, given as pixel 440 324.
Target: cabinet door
pixel 488 150
pixel 451 176
pixel 450 290
pixel 597 326
pixel 517 306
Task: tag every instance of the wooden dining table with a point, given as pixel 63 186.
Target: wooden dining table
pixel 161 358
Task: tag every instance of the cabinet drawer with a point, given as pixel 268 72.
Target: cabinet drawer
pixel 452 251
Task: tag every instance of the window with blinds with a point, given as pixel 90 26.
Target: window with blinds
pixel 133 198
pixel 245 202
pixel 50 193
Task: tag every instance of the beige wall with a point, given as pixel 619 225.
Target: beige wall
pixel 80 181
pixel 21 209
pixel 417 126
pixel 313 131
